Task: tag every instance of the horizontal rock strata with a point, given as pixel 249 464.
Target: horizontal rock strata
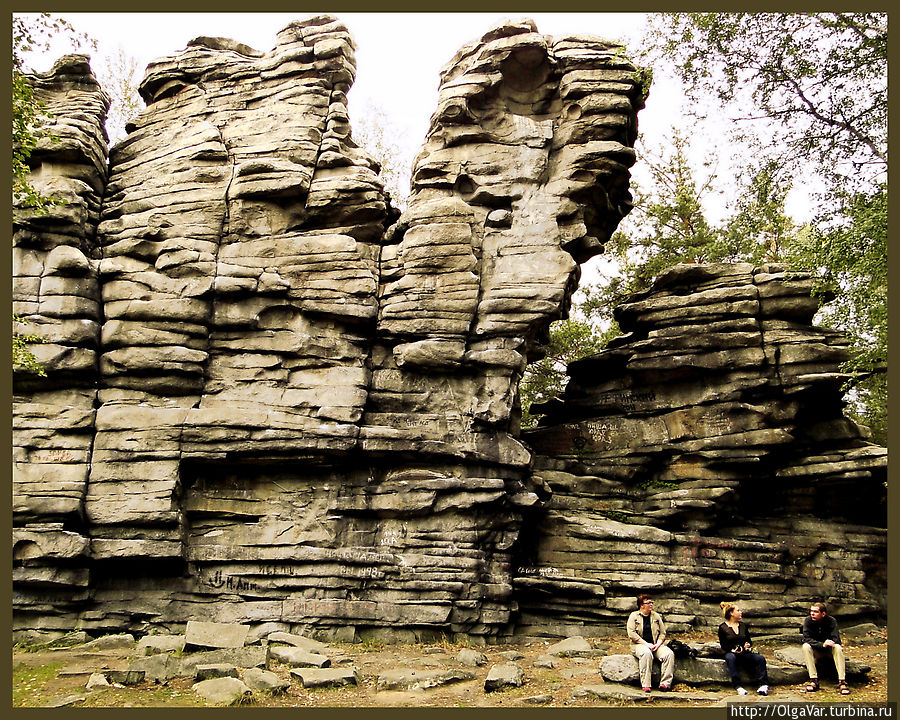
pixel 299 405
pixel 705 456
pixel 274 399
pixel 57 294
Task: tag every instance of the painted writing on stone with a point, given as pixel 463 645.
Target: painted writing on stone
pixel 52 456
pixel 542 571
pixel 303 570
pixel 626 399
pixel 221 581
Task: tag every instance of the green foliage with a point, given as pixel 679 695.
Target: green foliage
pixel 644 77
pixel 544 379
pixel 670 225
pixel 25 121
pixel 808 93
pixel 849 257
pixel 23 359
pixel 31 34
pixel 812 87
pixel 808 96
pixel 618 516
pixel 374 132
pixel 657 485
pixel 28 682
pixel 120 77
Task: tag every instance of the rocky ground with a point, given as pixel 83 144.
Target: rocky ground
pixel 54 677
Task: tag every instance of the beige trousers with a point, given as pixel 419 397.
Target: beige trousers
pixel 645 663
pixel 836 652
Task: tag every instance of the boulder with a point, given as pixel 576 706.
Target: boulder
pixel 571 647
pixel 510 655
pixel 470 657
pixel 298 657
pixel 855 669
pixel 124 677
pixel 620 668
pixel 260 680
pixel 305 643
pixel 504 675
pixel 242 657
pixel 153 644
pixel 222 691
pixel 124 641
pixel 97 680
pixel 864 634
pixel 217 670
pixel 158 668
pixel 326 677
pixel 542 699
pixel 214 635
pixel 410 679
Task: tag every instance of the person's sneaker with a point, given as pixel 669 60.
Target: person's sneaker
pixel 664 688
pixel 763 690
pixel 741 691
pixel 645 689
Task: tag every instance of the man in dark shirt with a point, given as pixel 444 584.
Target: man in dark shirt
pixel 821 638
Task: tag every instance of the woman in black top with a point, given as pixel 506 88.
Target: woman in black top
pixel 734 637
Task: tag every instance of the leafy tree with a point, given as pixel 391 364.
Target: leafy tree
pixel 808 94
pixel 120 76
pixel 373 131
pixel 22 358
pixel 811 87
pixel 544 379
pixel 849 257
pixel 670 224
pixel 30 34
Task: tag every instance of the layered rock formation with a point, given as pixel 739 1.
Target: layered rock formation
pixel 306 410
pixel 705 456
pixel 271 398
pixel 56 291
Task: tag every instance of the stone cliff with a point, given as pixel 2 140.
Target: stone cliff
pixel 272 398
pixel 703 455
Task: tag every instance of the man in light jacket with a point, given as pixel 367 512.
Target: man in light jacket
pixel 647 632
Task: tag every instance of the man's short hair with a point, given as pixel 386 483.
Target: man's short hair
pixel 642 598
pixel 821 607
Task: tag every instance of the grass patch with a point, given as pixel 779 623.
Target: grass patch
pixel 29 682
pixel 144 696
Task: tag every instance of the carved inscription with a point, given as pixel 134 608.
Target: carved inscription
pixel 627 400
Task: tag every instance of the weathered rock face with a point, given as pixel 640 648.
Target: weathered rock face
pixel 705 456
pixel 306 406
pixel 272 399
pixel 56 290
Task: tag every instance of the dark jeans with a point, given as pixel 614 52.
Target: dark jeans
pixel 750 660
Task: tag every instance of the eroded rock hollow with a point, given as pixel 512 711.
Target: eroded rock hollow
pixel 272 398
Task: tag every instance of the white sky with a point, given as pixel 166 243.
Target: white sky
pixel 399 56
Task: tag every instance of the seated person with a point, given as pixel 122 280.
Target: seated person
pixel 821 638
pixel 647 632
pixel 734 637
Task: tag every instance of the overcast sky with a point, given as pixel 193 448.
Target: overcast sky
pixel 399 56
